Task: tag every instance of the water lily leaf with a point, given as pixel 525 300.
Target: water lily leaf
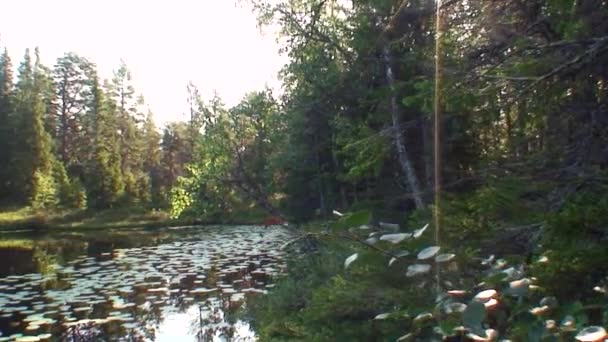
pixel 428 252
pixel 395 238
pixel 350 260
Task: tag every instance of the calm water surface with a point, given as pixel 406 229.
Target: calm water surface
pixel 136 285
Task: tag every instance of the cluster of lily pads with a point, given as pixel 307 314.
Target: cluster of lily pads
pixel 508 303
pixel 130 291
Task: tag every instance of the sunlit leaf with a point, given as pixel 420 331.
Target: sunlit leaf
pixel 519 287
pixel 392 261
pixel 350 260
pixel 418 232
pixel 551 302
pixel 568 323
pixel 591 334
pixel 444 257
pixel 428 252
pixel 485 295
pixel 454 307
pixel 423 317
pixel 488 260
pixel 402 254
pixel 382 316
pixel 350 220
pixel 416 269
pixel 389 226
pixel 395 238
pixel 371 240
pixel 539 310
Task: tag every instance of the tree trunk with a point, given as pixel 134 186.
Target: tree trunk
pixel 402 154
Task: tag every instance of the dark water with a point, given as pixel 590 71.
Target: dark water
pixel 163 285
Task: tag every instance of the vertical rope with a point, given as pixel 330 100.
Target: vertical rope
pixel 437 121
pixel 436 137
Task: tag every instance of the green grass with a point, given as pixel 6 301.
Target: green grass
pixel 124 217
pixel 21 244
pixel 127 217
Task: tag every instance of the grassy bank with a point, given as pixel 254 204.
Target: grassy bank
pixel 127 217
pixel 27 218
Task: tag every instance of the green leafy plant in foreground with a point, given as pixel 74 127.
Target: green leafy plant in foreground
pixel 398 286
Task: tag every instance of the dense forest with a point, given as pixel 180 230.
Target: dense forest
pixel 515 166
pixel 70 139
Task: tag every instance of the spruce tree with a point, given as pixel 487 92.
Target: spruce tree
pixel 123 94
pixel 6 125
pixel 104 177
pixel 152 158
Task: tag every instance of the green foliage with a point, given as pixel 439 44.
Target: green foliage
pixel 44 191
pixel 351 220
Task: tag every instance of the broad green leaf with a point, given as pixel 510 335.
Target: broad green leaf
pixel 473 316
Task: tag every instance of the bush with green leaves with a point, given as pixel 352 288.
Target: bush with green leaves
pixel 399 286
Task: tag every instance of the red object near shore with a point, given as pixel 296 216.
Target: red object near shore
pixel 273 220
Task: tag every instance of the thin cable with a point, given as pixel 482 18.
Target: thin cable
pixel 436 136
pixel 437 119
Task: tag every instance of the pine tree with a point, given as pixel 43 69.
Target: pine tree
pixel 104 177
pixel 152 159
pixel 6 125
pixel 72 85
pixel 123 94
pixel 33 157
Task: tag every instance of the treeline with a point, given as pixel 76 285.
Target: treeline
pixel 523 102
pixel 71 139
pixel 523 98
pixel 523 88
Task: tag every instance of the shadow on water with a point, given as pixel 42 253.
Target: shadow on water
pixel 163 285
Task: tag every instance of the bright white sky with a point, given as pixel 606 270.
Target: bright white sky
pixel 165 43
